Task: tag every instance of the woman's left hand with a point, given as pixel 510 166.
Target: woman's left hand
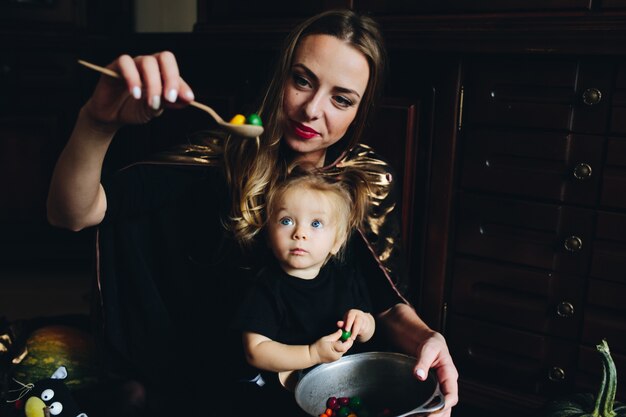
pixel 411 335
pixel 433 353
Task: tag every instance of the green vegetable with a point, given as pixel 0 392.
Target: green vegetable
pixel 586 405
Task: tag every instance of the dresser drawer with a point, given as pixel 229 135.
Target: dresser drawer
pixel 608 260
pixel 605 314
pixel 618 108
pixel 545 93
pixel 511 358
pixel 546 236
pixel 614 178
pixel 543 165
pixel 522 297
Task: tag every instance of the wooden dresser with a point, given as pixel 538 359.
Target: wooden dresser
pixel 536 264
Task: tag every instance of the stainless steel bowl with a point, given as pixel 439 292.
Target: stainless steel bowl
pixel 381 379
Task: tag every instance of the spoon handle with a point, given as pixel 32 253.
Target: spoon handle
pixel 113 74
pixel 103 70
pixel 250 131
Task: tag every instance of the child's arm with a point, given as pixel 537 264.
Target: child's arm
pixel 362 325
pixel 264 353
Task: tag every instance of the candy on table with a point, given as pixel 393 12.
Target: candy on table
pixel 240 119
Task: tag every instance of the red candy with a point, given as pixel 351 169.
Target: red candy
pixel 332 403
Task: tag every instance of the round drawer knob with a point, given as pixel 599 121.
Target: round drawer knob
pixel 565 309
pixel 556 374
pixel 573 244
pixel 582 171
pixel 592 96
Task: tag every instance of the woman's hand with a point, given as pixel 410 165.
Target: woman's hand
pixel 433 353
pixel 407 331
pixel 148 84
pixel 361 325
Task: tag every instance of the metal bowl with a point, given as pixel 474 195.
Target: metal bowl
pixel 383 380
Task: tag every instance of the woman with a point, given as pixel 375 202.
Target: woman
pixel 314 112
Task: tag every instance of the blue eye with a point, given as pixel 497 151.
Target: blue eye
pixel 286 221
pixel 316 224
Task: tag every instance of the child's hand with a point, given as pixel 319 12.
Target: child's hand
pixel 359 323
pixel 329 348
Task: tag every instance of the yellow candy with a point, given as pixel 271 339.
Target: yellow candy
pixel 238 119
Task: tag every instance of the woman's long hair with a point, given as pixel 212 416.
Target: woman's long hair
pixel 253 167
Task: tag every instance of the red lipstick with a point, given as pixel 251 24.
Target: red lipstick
pixel 303 131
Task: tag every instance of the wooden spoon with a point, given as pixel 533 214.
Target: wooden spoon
pixel 249 131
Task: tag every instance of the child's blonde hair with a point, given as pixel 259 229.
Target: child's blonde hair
pixel 347 194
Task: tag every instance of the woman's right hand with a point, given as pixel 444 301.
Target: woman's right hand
pixel 149 83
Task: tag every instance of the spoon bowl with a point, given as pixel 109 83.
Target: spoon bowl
pixel 244 130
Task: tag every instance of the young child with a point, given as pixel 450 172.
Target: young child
pixel 304 300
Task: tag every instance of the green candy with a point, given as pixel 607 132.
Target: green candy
pixel 254 119
pixel 345 335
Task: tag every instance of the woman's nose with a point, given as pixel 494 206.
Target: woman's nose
pixel 313 107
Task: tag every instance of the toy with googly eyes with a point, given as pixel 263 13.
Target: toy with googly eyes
pixel 48 397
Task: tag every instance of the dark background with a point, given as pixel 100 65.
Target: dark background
pixel 486 117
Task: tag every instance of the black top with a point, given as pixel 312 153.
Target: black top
pixel 297 311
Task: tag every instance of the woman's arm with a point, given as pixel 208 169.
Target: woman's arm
pixel 76 199
pixel 265 353
pixel 411 335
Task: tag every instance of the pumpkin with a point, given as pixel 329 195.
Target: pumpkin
pixel 51 347
pixel 603 404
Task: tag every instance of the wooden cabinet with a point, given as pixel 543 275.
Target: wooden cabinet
pixel 536 268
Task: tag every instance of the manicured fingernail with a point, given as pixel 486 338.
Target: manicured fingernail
pixel 420 374
pixel 172 95
pixel 189 95
pixel 137 92
pixel 156 102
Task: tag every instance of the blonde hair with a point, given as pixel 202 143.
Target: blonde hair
pixel 348 196
pixel 254 167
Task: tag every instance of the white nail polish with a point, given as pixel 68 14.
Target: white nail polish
pixel 136 92
pixel 172 95
pixel 189 95
pixel 421 374
pixel 156 102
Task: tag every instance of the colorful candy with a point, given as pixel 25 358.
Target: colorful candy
pixel 238 119
pixel 351 407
